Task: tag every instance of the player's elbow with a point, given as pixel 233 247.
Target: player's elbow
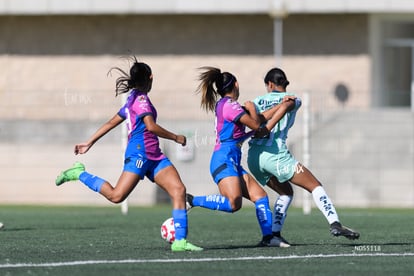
pixel 254 125
pixel 151 128
pixel 290 105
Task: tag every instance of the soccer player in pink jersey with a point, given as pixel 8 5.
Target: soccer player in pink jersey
pixel 220 92
pixel 143 156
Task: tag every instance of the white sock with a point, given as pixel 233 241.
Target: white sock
pixel 325 204
pixel 280 212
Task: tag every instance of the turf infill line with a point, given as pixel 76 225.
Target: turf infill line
pixel 137 261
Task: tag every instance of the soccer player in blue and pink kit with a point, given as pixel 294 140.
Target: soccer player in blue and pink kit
pixel 233 181
pixel 143 156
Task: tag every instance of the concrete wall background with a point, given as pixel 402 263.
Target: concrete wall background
pixel 55 91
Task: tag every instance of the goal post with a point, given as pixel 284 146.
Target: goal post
pixel 306 199
pixel 124 141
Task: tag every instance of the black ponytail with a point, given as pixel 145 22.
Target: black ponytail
pixel 214 83
pixel 139 77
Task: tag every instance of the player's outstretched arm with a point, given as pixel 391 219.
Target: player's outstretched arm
pixel 284 107
pixel 267 114
pixel 162 132
pixel 250 119
pixel 277 112
pixel 104 129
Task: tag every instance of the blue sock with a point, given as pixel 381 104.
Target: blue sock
pixel 213 202
pixel 93 182
pixel 264 215
pixel 180 223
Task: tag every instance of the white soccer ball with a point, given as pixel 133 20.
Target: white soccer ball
pixel 168 230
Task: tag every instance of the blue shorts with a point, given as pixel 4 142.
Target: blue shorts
pixel 143 166
pixel 226 162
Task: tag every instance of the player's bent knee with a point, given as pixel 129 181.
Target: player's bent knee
pixel 235 208
pixel 236 204
pixel 177 191
pixel 116 198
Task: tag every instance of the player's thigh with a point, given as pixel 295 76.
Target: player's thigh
pixel 284 188
pixel 126 183
pixel 230 187
pixel 304 178
pixel 261 176
pixel 170 181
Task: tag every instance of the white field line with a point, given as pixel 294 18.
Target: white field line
pixel 139 261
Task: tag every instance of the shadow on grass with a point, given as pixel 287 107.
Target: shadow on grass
pixel 36 229
pixel 379 243
pixel 231 247
pixel 351 244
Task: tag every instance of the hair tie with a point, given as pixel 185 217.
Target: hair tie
pixel 228 83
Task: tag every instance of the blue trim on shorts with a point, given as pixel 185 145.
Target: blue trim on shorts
pixel 226 162
pixel 143 166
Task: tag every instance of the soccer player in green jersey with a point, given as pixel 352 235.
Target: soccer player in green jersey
pixel 271 163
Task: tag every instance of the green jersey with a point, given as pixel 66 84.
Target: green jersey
pixel 278 135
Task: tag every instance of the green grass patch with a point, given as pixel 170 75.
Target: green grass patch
pixel 53 240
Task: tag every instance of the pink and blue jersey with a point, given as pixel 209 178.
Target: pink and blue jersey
pixel 140 140
pixel 230 133
pixel 228 127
